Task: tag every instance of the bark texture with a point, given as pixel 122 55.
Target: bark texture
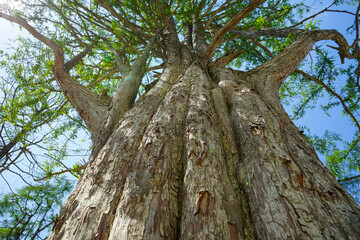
pixel 205 155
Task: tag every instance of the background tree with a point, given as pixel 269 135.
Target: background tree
pixel 203 151
pixel 29 212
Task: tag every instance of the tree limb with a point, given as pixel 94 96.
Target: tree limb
pixel 348 179
pixel 91 108
pixel 22 22
pixel 231 24
pixel 276 70
pixel 333 93
pixel 228 57
pixel 133 27
pixel 222 7
pixel 122 68
pixel 61 172
pixel 272 32
pixel 72 63
pixel 111 72
pixel 312 16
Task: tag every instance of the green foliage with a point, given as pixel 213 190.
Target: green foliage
pixel 30 212
pixel 312 25
pixel 31 103
pixel 260 22
pixel 343 161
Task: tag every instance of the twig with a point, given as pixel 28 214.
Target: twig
pixel 61 172
pixel 348 179
pixel 332 92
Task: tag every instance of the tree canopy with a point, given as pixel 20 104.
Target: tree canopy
pixel 99 46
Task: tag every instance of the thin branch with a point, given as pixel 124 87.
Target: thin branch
pixel 349 179
pixel 209 9
pixel 306 102
pixel 222 7
pixel 341 11
pixel 354 144
pixel 121 66
pixel 332 92
pixel 112 71
pixel 312 16
pixel 71 28
pixel 155 67
pixel 133 27
pixel 357 24
pixel 61 172
pixel 263 47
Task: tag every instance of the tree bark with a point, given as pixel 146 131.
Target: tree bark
pixel 205 155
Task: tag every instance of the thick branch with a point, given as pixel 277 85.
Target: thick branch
pixel 276 70
pixel 72 63
pixel 273 32
pixel 22 22
pixel 6 148
pixel 198 37
pixel 91 108
pixel 126 92
pixel 230 25
pixel 228 57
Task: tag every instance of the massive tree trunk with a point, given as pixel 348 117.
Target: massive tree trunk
pixel 207 154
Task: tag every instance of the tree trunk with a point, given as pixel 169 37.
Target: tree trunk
pixel 206 155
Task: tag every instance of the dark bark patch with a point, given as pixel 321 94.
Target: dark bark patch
pixel 103 230
pixel 286 208
pixel 233 231
pixel 205 203
pixel 329 196
pixel 192 152
pixel 300 179
pixel 181 98
pixel 203 156
pixel 123 170
pixel 286 162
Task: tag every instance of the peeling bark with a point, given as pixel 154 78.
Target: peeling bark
pixel 290 193
pixel 207 157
